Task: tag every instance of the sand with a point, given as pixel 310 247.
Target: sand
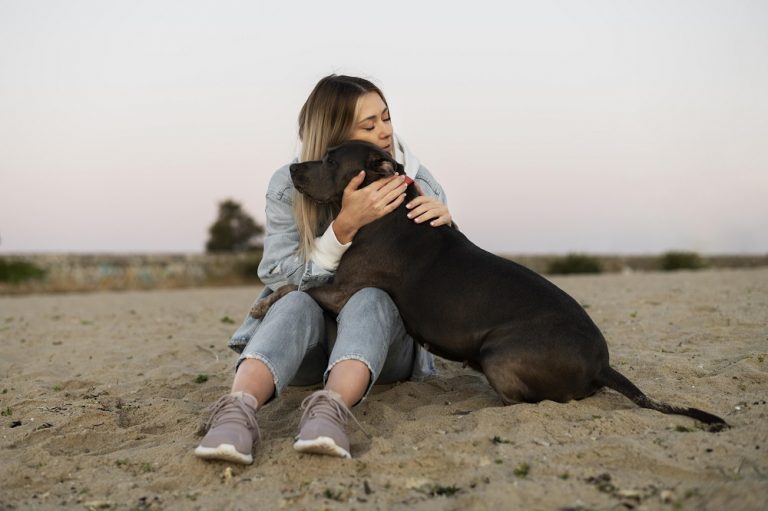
pixel 109 392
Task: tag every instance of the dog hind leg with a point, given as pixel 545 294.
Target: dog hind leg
pixel 521 371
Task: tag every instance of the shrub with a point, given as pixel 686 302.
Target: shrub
pixel 14 272
pixel 681 261
pixel 234 230
pixel 574 263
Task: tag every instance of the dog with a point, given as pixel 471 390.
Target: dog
pixel 531 339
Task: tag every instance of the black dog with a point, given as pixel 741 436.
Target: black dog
pixel 530 339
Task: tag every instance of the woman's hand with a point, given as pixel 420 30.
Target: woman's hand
pixel 362 206
pixel 425 207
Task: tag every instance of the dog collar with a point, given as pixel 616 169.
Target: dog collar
pixel 408 181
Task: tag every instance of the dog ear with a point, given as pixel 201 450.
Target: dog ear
pixel 379 164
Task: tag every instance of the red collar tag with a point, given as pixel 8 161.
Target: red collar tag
pixel 408 181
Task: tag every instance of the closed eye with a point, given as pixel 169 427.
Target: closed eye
pixel 371 128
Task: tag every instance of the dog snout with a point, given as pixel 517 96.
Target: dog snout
pixel 296 168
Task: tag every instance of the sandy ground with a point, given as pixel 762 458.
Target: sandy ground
pixel 108 392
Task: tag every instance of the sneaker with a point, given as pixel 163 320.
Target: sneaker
pixel 322 429
pixel 232 430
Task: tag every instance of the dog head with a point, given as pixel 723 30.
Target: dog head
pixel 324 180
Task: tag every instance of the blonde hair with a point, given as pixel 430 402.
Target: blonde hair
pixel 326 119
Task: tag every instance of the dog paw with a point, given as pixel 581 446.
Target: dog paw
pixel 259 310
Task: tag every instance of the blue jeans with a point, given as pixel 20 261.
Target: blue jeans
pixel 295 339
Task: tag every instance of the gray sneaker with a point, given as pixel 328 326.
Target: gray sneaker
pixel 322 429
pixel 232 429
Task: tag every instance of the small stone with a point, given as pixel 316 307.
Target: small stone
pixel 629 494
pixel 93 505
pixel 413 483
pixel 667 496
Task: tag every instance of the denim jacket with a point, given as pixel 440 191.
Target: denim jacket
pixel 281 264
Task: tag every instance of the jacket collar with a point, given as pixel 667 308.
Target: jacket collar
pixel 404 156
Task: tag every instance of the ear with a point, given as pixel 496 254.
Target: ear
pixel 380 165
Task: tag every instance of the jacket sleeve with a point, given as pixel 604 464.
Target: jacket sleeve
pixel 280 263
pixel 430 186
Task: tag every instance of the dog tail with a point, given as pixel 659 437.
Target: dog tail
pixel 613 379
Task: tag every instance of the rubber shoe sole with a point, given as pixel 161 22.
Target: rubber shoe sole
pixel 224 452
pixel 321 445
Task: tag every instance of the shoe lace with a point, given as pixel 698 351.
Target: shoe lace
pixel 322 404
pixel 231 408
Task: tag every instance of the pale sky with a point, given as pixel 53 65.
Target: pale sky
pixel 554 126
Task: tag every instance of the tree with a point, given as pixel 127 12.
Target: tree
pixel 234 230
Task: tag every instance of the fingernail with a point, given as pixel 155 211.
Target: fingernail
pixel 408 215
pixel 432 224
pixel 409 205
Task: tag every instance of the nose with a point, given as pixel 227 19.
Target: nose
pixel 386 131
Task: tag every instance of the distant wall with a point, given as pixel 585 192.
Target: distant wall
pixel 96 272
pixel 83 272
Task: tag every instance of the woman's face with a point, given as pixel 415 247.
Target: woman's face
pixel 372 122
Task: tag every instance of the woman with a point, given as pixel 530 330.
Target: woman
pixel 296 342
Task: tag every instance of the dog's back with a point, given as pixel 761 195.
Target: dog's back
pixel 451 293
